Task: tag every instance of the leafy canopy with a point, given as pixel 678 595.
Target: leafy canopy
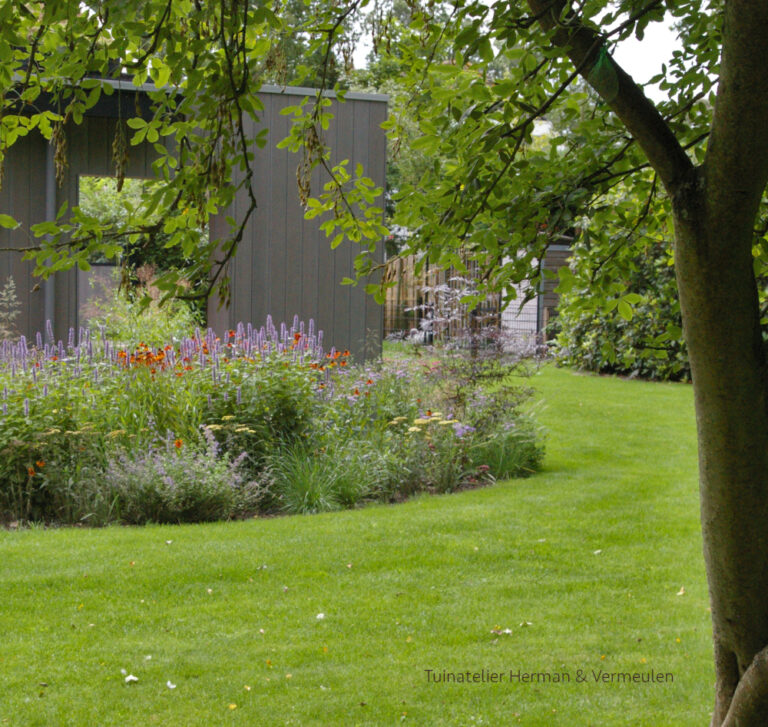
pixel 205 63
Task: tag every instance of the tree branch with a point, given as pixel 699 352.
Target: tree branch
pixel 737 155
pixel 587 51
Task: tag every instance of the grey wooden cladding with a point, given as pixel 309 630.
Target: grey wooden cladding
pixel 284 265
pixel 23 197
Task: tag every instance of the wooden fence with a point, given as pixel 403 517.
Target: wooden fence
pixel 413 298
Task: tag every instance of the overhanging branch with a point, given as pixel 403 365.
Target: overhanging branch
pixel 587 51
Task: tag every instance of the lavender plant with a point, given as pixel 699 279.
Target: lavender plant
pixel 169 482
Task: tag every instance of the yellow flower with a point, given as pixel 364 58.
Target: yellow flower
pixel 213 427
pixel 421 421
pixel 414 429
pixel 228 417
pixel 116 433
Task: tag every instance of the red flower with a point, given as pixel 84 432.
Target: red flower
pixel 177 443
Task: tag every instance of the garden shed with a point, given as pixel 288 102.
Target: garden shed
pixel 284 265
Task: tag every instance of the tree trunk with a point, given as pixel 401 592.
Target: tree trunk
pixel 718 295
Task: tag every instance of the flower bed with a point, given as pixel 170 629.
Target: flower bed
pixel 259 420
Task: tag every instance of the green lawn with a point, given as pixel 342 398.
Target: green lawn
pixel 584 563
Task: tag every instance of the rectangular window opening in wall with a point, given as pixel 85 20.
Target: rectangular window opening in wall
pixel 134 251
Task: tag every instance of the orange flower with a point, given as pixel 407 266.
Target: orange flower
pixel 342 363
pixel 357 392
pixel 177 443
pixel 40 464
pixel 369 382
pixel 31 471
pixel 296 337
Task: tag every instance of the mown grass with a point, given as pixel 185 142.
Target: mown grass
pixel 590 554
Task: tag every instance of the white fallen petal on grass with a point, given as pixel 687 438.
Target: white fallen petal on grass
pixel 170 684
pixel 130 678
pixel 681 592
pixel 320 616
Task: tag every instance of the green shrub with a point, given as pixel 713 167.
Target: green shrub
pixel 647 345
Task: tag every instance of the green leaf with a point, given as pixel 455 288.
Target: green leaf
pixel 625 310
pixel 8 222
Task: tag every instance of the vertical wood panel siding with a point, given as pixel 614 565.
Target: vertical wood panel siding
pixel 284 265
pixel 23 197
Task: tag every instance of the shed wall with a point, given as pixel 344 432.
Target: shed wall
pixel 284 265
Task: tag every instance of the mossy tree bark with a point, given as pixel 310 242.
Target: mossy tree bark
pixel 715 206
